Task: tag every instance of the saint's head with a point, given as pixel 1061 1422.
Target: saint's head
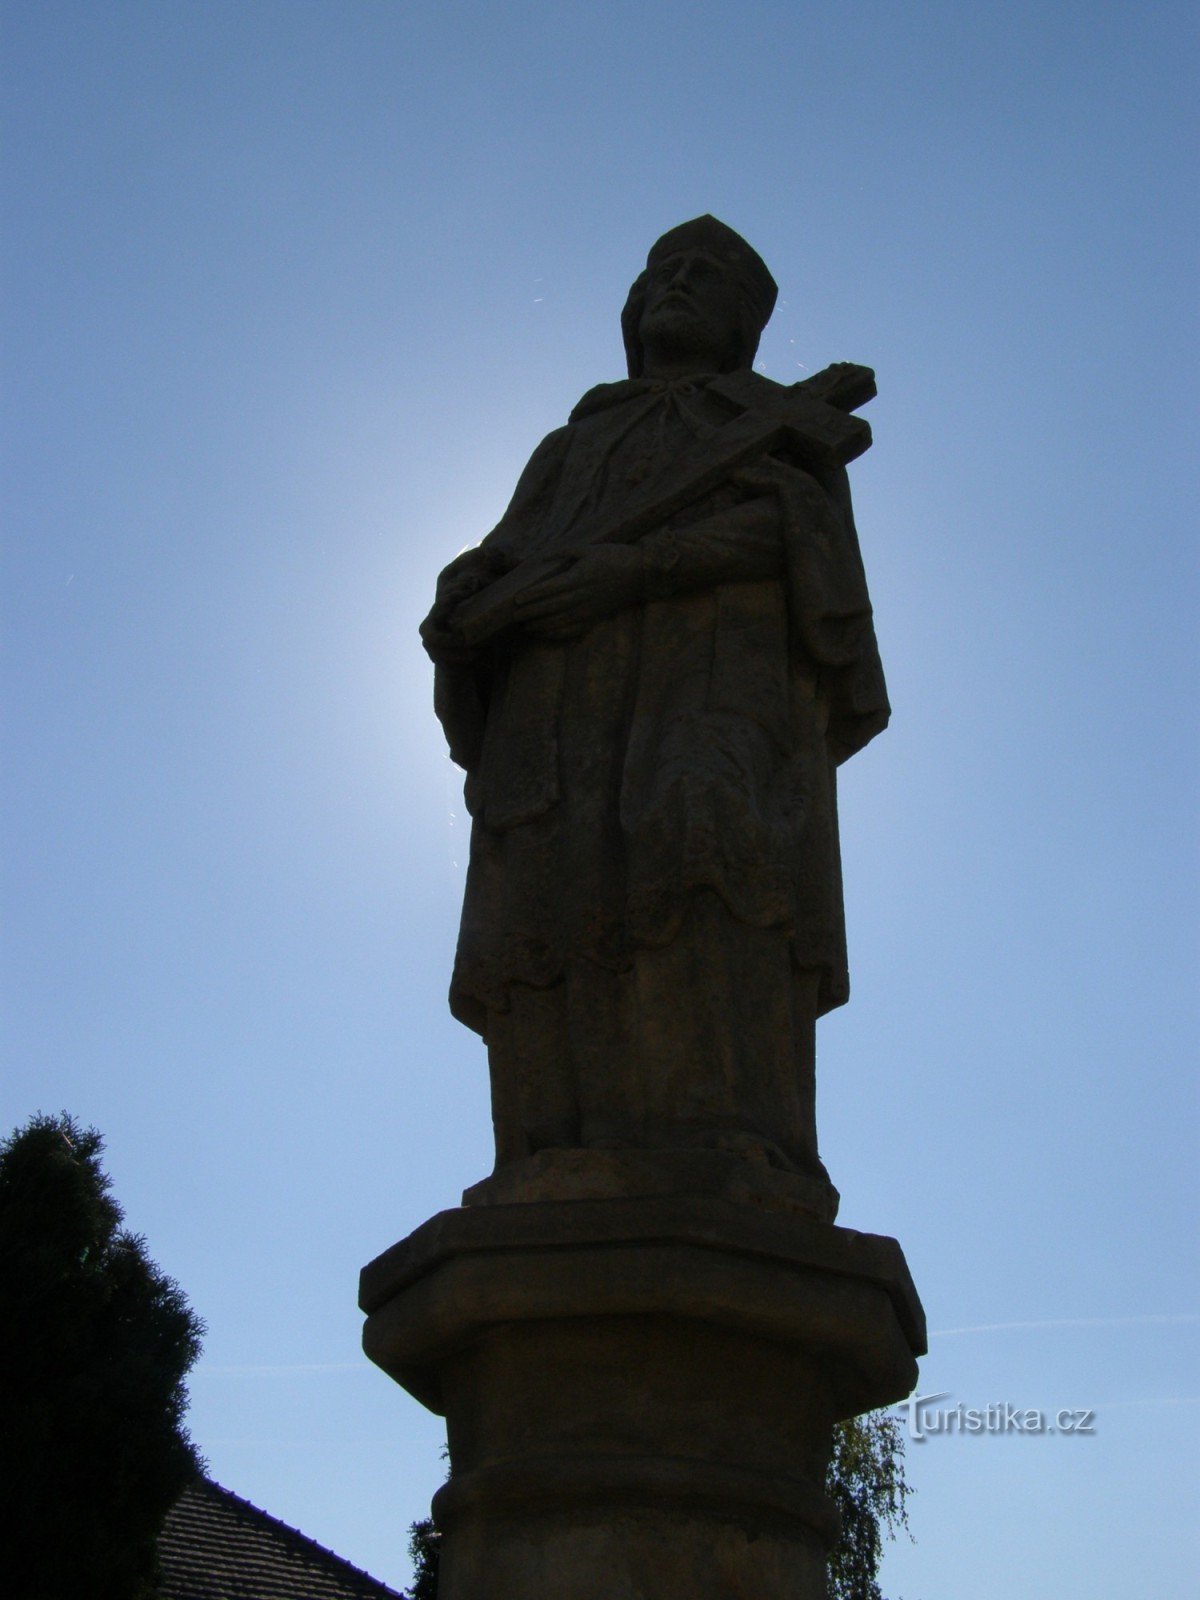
pixel 700 305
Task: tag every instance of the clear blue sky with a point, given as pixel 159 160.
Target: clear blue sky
pixel 291 291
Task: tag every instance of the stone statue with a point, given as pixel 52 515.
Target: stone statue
pixel 650 670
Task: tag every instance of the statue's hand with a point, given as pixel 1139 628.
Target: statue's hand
pixel 599 581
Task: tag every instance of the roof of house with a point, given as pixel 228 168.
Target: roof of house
pixel 216 1546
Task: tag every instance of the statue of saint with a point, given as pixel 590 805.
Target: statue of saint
pixel 650 670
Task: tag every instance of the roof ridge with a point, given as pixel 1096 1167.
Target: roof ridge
pixel 309 1546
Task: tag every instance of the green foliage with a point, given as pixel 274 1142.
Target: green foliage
pixel 866 1482
pixel 423 1548
pixel 95 1343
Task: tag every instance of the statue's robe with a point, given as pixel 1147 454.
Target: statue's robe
pixel 653 914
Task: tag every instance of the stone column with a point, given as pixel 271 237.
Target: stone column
pixel 639 1390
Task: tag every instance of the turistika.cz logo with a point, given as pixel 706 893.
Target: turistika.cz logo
pixel 926 1419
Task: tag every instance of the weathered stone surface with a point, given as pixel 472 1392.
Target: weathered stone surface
pixel 650 670
pixel 640 1393
pixel 630 1174
pixel 643 1325
pixel 578 1236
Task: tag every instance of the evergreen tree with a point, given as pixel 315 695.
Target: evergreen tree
pixel 95 1342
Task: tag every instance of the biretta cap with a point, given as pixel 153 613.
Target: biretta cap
pixel 704 233
pixel 708 233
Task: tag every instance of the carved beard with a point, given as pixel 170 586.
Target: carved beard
pixel 681 332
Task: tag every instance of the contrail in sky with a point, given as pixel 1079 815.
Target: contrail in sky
pixel 1071 1322
pixel 1150 1320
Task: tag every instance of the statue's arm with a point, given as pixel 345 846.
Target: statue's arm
pixel 832 620
pixel 738 544
pixel 468 574
pixel 462 681
pixel 473 570
pixel 733 546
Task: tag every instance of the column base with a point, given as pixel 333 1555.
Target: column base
pixel 640 1393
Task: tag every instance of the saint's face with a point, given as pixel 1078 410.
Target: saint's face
pixel 693 308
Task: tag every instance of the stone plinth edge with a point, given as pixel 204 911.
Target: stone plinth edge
pixel 745 1178
pixel 781 1277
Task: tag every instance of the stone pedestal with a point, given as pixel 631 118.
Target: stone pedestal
pixel 639 1392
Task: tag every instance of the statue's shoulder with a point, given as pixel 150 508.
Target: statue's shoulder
pixel 604 396
pixel 552 447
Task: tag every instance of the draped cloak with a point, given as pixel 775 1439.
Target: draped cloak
pixel 686 743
